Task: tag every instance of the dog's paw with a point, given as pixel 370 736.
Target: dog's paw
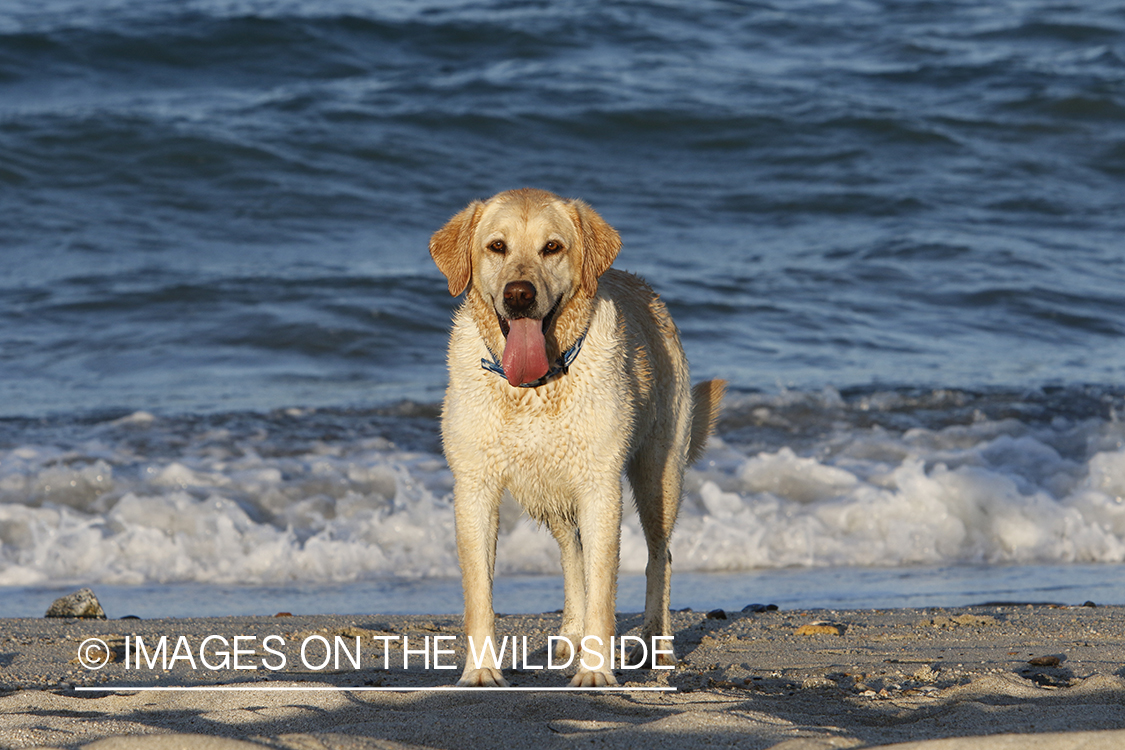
pixel 663 659
pixel 642 656
pixel 483 677
pixel 587 678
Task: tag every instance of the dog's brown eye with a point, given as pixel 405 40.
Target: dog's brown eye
pixel 552 247
pixel 498 246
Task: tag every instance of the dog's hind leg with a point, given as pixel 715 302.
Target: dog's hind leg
pixel 656 475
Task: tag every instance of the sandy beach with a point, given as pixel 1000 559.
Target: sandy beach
pixel 999 676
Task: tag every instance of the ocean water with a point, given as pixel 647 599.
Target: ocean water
pixel 895 227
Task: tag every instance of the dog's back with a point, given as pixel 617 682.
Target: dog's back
pixel 658 369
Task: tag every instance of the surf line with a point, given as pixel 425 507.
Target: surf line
pixel 364 688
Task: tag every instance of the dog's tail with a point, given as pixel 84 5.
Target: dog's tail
pixel 705 400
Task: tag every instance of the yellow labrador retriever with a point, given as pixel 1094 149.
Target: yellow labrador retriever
pixel 563 375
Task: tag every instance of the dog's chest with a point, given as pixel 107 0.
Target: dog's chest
pixel 554 428
pixel 549 447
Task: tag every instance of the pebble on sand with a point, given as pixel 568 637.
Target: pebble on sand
pixel 821 628
pixel 1046 661
pixel 82 603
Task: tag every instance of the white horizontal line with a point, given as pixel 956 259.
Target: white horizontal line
pixel 348 689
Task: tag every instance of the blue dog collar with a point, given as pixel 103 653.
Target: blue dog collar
pixel 562 364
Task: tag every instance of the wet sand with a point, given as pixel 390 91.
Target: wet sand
pixel 1002 676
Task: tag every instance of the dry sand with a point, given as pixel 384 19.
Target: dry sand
pixel 930 678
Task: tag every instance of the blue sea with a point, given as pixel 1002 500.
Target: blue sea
pixel 896 227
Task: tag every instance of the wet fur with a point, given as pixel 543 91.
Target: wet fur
pixel 625 407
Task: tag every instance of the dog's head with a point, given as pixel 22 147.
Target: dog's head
pixel 531 262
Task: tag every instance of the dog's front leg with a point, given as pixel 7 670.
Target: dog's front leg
pixel 574 589
pixel 599 524
pixel 477 511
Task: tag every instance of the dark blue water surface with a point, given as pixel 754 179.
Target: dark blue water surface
pixel 211 206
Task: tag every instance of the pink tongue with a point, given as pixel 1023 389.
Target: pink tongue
pixel 525 353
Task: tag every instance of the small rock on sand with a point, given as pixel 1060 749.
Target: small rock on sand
pixel 1046 661
pixel 82 603
pixel 821 628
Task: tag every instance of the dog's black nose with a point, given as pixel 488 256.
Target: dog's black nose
pixel 519 296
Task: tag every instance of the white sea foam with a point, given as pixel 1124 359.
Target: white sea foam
pixel 140 500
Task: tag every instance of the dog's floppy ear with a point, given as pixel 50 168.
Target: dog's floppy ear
pixel 452 249
pixel 600 243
